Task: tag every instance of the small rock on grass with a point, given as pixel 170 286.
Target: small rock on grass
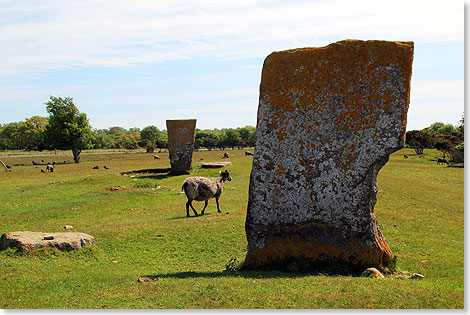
pixel 417 276
pixel 145 279
pixel 68 227
pixel 373 273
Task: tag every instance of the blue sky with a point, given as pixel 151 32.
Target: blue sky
pixel 137 63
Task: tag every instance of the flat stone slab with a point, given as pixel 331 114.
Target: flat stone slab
pixel 25 240
pixel 215 164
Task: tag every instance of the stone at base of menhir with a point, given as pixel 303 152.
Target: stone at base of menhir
pixel 26 240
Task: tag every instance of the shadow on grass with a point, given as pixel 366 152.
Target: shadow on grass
pixel 190 217
pixel 228 274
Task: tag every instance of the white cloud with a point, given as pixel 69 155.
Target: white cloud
pixel 440 89
pixel 43 35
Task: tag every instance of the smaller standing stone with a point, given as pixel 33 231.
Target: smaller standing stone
pixel 181 135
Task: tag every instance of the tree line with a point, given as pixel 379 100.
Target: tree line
pixel 66 128
pixel 446 138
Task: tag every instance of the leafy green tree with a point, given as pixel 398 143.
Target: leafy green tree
pixel 33 129
pixel 444 144
pixel 149 136
pixel 247 135
pixel 457 154
pixel 67 128
pixel 127 142
pixel 117 131
pixel 231 138
pixel 9 136
pixel 418 140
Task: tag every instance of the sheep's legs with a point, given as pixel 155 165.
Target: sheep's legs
pixel 205 205
pixel 189 204
pixel 217 202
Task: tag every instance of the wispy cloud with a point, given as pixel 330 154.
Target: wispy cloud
pixel 36 36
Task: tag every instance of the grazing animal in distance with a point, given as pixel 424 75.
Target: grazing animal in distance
pixel 34 163
pixel 49 168
pixel 42 171
pixel 203 189
pixel 106 168
pixel 405 156
pixel 156 157
pixel 442 161
pixel 248 153
pixel 96 167
pixel 226 156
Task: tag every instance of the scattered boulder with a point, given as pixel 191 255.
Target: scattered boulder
pixel 417 276
pixel 26 240
pixel 372 273
pixel 116 188
pixel 68 227
pixel 145 279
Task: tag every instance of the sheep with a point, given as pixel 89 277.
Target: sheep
pixel 203 189
pixel 405 156
pixel 106 168
pixel 50 168
pixel 96 167
pixel 442 161
pixel 156 157
pixel 226 156
pixel 248 153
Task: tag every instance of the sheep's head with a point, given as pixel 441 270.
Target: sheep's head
pixel 225 176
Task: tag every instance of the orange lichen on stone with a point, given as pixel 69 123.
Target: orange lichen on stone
pixel 328 118
pixel 181 135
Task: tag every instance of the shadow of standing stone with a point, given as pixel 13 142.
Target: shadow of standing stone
pixel 328 119
pixel 181 135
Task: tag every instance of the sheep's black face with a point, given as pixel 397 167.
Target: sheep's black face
pixel 225 176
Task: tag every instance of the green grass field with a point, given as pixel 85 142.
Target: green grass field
pixel 143 231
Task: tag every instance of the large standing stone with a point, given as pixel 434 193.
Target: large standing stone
pixel 328 119
pixel 181 144
pixel 26 240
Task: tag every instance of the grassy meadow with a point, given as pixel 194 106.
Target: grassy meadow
pixel 142 230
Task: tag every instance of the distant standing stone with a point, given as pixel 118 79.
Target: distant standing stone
pixel 328 119
pixel 181 135
pixel 26 240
